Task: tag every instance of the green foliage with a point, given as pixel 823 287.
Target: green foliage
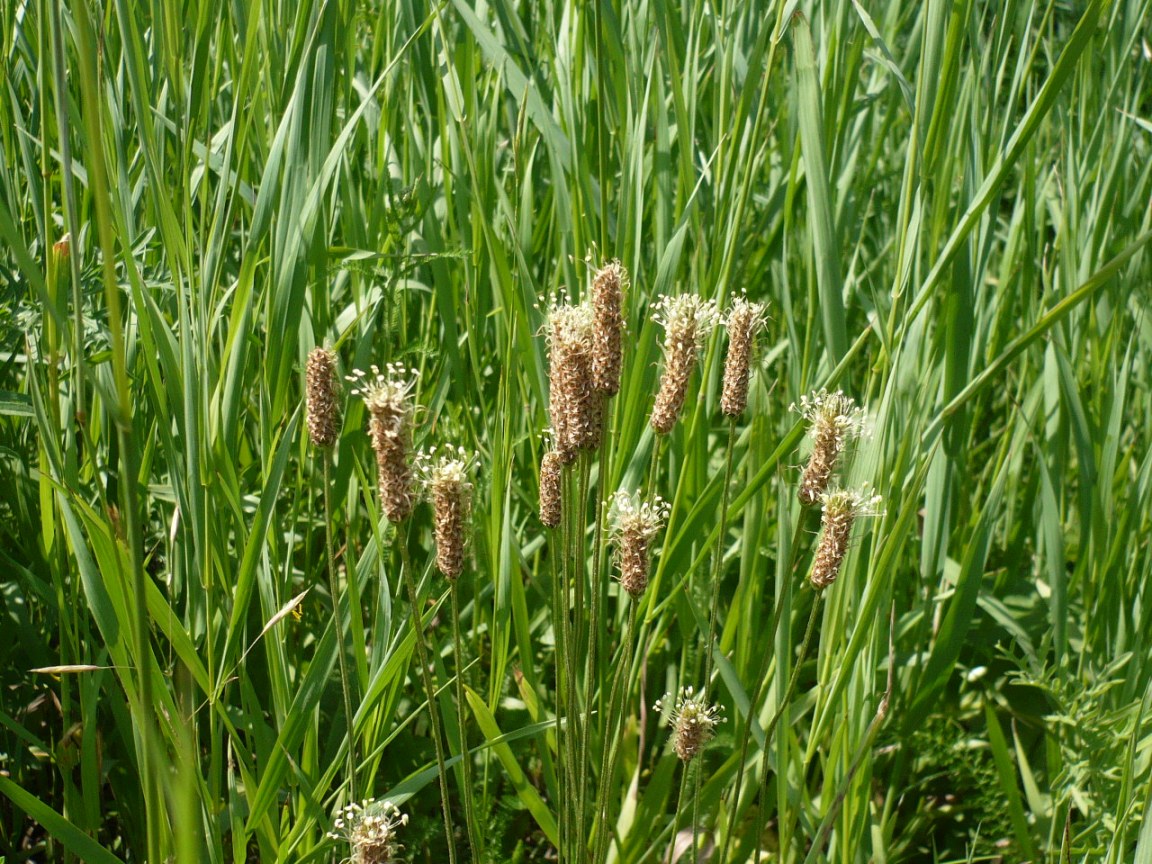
pixel 946 206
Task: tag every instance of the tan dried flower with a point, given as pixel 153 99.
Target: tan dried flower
pixel 446 479
pixel 634 524
pixel 687 320
pixel 608 326
pixel 388 397
pixel 370 829
pixel 323 398
pixel 574 404
pixel 550 479
pixel 841 509
pixel 693 721
pixel 833 419
pixel 743 322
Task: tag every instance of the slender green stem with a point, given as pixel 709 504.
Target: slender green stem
pixel 568 689
pixel 334 588
pixel 685 768
pixel 556 538
pixel 465 756
pixel 709 644
pixel 780 709
pixel 429 689
pixel 613 723
pixel 121 412
pixel 753 712
pixel 718 557
pixel 584 637
pixel 598 590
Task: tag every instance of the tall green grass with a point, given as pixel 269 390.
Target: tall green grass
pixel 945 204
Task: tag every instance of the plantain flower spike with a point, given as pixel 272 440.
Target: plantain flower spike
pixel 833 419
pixel 743 321
pixel 841 509
pixel 323 398
pixel 574 404
pixel 370 829
pixel 550 477
pixel 388 396
pixel 693 721
pixel 687 320
pixel 634 525
pixel 448 487
pixel 608 326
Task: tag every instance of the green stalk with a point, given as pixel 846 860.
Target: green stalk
pixel 71 209
pixel 718 559
pixel 429 689
pixel 567 689
pixel 761 682
pixel 555 534
pixel 685 767
pixel 154 804
pixel 465 756
pixel 598 590
pixel 584 637
pixel 613 723
pixel 780 709
pixel 334 588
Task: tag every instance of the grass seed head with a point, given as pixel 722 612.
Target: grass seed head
pixel 370 829
pixel 687 320
pixel 388 396
pixel 833 419
pixel 608 326
pixel 574 404
pixel 743 322
pixel 841 509
pixel 550 475
pixel 634 524
pixel 446 481
pixel 323 398
pixel 693 721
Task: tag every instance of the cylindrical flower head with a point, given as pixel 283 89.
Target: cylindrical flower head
pixel 370 829
pixel 323 398
pixel 693 722
pixel 575 405
pixel 608 327
pixel 833 418
pixel 743 322
pixel 550 477
pixel 634 524
pixel 841 509
pixel 687 321
pixel 390 409
pixel 451 495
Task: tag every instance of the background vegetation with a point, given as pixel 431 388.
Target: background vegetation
pixel 947 207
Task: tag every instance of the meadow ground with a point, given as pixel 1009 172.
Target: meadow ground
pixel 235 601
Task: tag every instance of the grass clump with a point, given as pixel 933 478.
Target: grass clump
pixel 233 608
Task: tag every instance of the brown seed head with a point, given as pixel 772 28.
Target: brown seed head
pixel 841 509
pixel 687 321
pixel 608 327
pixel 550 476
pixel 833 419
pixel 743 322
pixel 575 405
pixel 388 397
pixel 370 829
pixel 323 400
pixel 446 479
pixel 634 524
pixel 693 722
